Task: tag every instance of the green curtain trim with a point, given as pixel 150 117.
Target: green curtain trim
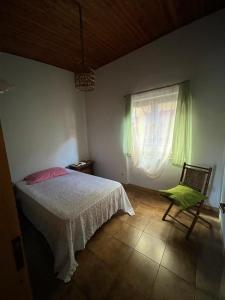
pixel 182 134
pixel 127 132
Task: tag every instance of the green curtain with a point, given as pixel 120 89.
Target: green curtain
pixel 127 134
pixel 182 135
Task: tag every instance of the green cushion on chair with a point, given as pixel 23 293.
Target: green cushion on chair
pixel 184 196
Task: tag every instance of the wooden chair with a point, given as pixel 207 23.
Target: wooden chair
pixel 198 179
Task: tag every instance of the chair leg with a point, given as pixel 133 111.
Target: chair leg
pixel 200 217
pixel 192 226
pixel 167 211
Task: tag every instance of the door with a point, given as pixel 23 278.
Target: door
pixel 14 282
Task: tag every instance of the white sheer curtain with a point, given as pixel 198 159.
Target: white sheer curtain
pixel 152 123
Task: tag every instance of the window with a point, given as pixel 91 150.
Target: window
pixel 152 124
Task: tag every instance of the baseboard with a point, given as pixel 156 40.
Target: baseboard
pixel 214 209
pixel 141 188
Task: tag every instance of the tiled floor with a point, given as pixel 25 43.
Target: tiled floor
pixel 139 257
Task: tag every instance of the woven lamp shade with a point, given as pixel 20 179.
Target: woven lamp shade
pixel 85 80
pixel 84 76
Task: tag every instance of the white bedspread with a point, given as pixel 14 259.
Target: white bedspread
pixel 68 209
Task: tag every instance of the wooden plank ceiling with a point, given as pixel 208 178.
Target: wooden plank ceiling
pixel 48 30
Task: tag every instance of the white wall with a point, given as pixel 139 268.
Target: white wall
pixel 194 52
pixel 43 119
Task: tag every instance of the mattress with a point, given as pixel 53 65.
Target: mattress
pixel 68 210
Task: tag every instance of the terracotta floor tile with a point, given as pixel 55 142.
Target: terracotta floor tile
pixel 112 226
pixel 58 293
pixel 155 201
pixel 208 234
pixel 210 268
pixel 145 210
pixel 180 262
pixel 158 228
pixel 123 291
pixel 120 215
pixel 200 295
pixel 176 239
pixel 138 221
pixel 158 213
pixel 128 234
pixel 151 247
pixel 100 235
pixel 168 286
pixel 92 276
pixel 134 202
pixel 181 216
pixel 113 252
pixel 110 269
pixel 140 272
pixel 74 293
pixel 150 212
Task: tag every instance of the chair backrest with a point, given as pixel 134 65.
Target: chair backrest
pixel 196 177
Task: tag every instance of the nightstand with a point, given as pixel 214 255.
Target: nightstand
pixel 88 167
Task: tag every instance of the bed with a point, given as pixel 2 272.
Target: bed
pixel 68 210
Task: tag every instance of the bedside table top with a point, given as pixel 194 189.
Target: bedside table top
pixel 88 164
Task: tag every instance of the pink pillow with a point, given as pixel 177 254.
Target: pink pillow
pixel 45 175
